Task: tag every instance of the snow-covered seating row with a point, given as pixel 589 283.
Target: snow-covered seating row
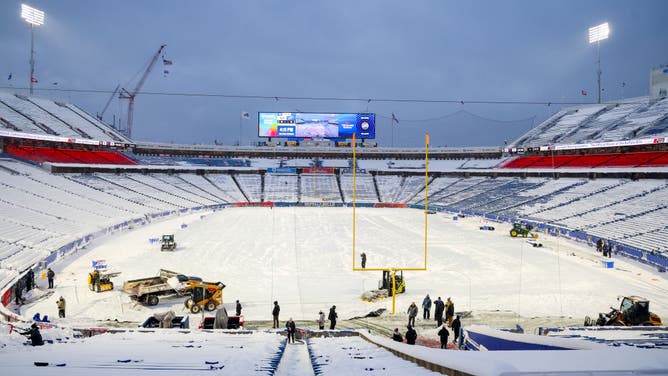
pixel 635 118
pixel 188 183
pixel 410 187
pixel 356 356
pixel 567 213
pixel 176 188
pixel 319 188
pixel 72 119
pixel 281 187
pixel 128 189
pixel 31 114
pixel 501 197
pixel 638 123
pixel 566 124
pixel 467 188
pixel 206 186
pixel 251 185
pixel 436 185
pixel 28 109
pixel 193 161
pixel 537 195
pixel 573 193
pixel 389 187
pixel 599 123
pixel 226 185
pixel 12 120
pixel 365 190
pixel 646 200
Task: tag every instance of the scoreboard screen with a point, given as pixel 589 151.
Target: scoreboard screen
pixel 316 125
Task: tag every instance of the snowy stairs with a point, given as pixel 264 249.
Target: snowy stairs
pixel 296 361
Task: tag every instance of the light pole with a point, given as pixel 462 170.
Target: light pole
pixel 596 35
pixel 34 17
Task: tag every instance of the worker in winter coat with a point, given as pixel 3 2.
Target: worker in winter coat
pixel 321 320
pixel 291 327
pixel 238 310
pixel 34 335
pixel 397 336
pixel 443 334
pixel 426 307
pixel 456 325
pixel 439 307
pixel 411 335
pixel 61 307
pixel 363 255
pixel 30 280
pixel 50 275
pixel 332 317
pixel 412 314
pixel 449 311
pixel 275 312
pixel 18 293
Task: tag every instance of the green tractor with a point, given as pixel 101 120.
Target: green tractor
pixel 520 229
pixel 168 243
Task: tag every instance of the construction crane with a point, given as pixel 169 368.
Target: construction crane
pixel 101 114
pixel 130 95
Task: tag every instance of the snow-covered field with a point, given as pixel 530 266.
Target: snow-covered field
pixel 302 257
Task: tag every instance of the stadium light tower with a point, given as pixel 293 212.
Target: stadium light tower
pixel 596 35
pixel 34 17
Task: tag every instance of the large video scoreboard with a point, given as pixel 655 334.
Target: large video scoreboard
pixel 316 125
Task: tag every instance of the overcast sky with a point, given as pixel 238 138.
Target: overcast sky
pixel 430 50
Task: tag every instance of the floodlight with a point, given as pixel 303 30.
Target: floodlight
pixel 34 17
pixel 599 33
pixel 596 35
pixel 31 15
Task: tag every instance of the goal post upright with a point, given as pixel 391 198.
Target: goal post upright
pixel 426 211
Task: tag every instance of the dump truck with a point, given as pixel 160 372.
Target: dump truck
pixel 167 243
pixel 150 290
pixel 633 311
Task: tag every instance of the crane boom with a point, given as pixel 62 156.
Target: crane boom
pixel 130 95
pixel 108 102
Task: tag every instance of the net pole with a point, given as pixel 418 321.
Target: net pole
pixel 426 194
pixel 354 194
